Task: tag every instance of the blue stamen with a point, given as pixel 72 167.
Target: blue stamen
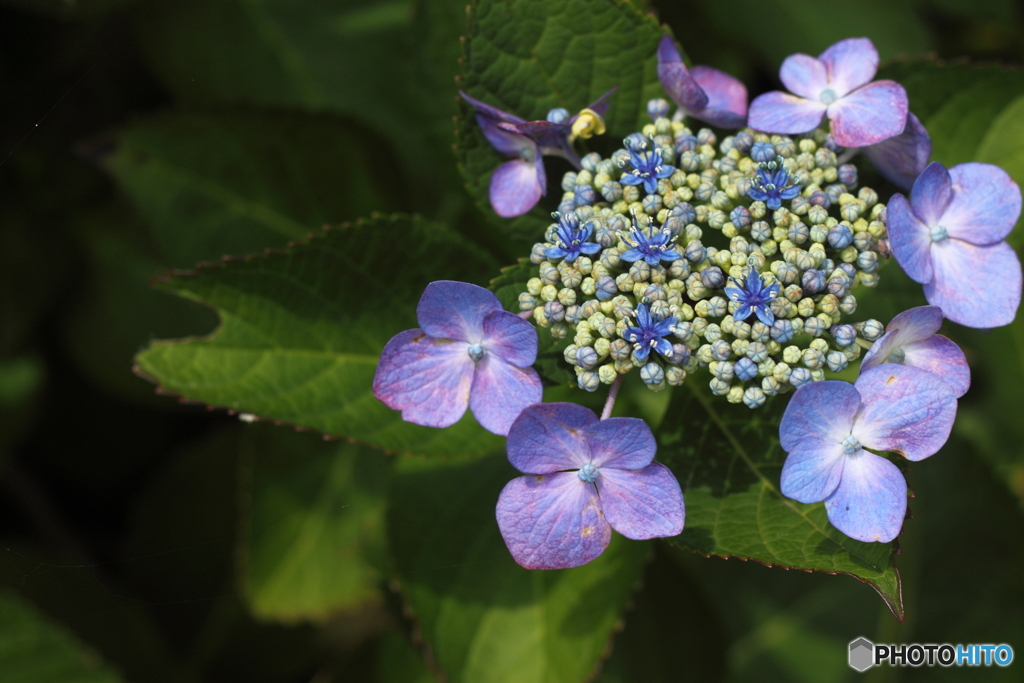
pixel 588 473
pixel 851 445
pixel 476 351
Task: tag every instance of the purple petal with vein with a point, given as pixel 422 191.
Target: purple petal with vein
pixel 779 112
pixel 916 323
pixel 641 504
pixel 510 338
pixel 901 159
pixel 812 471
pixel 501 391
pixel 548 437
pixel 455 310
pixel 931 194
pixel 427 379
pixel 871 500
pixel 489 111
pixel 975 286
pixel 517 186
pixel 552 521
pixel 876 112
pixel 804 75
pixel 909 239
pixel 621 442
pixel 985 206
pixel 943 358
pixel 905 410
pixel 676 79
pixel 504 137
pixel 727 98
pixel 819 411
pixel 850 64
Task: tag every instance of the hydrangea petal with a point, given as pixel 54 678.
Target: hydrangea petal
pixel 644 503
pixel 501 391
pixel 779 112
pixel 943 358
pixel 905 410
pixel 910 326
pixel 504 137
pixel 804 75
pixel 909 239
pixel 819 411
pixel 489 111
pixel 876 112
pixel 813 470
pixel 850 64
pixel 985 206
pixel 455 310
pixel 511 338
pixel 621 442
pixel 727 98
pixel 931 194
pixel 548 437
pixel 552 521
pixel 975 286
pixel 902 158
pixel 427 379
pixel 517 186
pixel 871 500
pixel 676 79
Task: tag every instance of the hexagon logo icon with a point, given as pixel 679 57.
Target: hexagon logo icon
pixel 862 654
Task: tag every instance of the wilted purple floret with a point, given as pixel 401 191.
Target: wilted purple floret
pixel 468 352
pixel 826 427
pixel 518 185
pixel 701 92
pixel 949 237
pixel 753 295
pixel 910 339
pixel 585 477
pixel 837 84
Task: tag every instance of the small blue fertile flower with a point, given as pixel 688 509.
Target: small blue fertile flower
pixel 648 166
pixel 910 339
pixel 658 247
pixel 649 333
pixel 950 237
pixel 837 84
pixel 701 92
pixel 826 427
pixel 571 239
pixel 517 185
pixel 467 352
pixel 754 296
pixel 585 477
pixel 771 184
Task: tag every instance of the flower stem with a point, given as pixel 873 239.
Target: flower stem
pixel 864 343
pixel 526 315
pixel 610 403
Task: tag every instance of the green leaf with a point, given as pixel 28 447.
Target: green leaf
pixel 312 526
pixel 528 57
pixel 301 330
pixel 728 460
pixel 481 614
pixel 237 182
pixel 35 650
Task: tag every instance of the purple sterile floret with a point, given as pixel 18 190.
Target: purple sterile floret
pixel 950 237
pixel 753 295
pixel 571 238
pixel 585 477
pixel 902 158
pixel 659 246
pixel 702 92
pixel 910 339
pixel 648 166
pixel 517 185
pixel 837 84
pixel 467 352
pixel 826 427
pixel 649 333
pixel 771 184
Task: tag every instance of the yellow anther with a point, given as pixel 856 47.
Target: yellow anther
pixel 587 124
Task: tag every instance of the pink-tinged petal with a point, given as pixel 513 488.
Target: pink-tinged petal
pixel 931 194
pixel 427 379
pixel 812 472
pixel 501 391
pixel 455 310
pixel 916 323
pixel 622 442
pixel 850 64
pixel 489 111
pixel 548 437
pixel 804 75
pixel 517 186
pixel 871 501
pixel 975 286
pixel 779 112
pixel 909 239
pixel 876 112
pixel 676 79
pixel 819 411
pixel 986 204
pixel 510 338
pixel 641 504
pixel 943 358
pixel 901 159
pixel 905 410
pixel 727 98
pixel 552 521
